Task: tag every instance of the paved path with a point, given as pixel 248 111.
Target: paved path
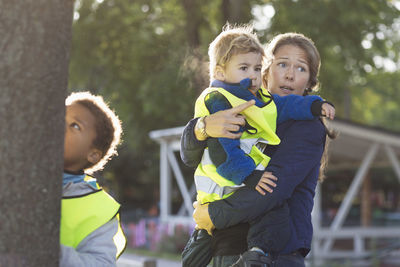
pixel 133 260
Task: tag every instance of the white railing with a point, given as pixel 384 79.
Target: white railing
pixel 359 251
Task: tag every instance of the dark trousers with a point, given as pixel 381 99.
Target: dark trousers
pixel 224 261
pixel 293 260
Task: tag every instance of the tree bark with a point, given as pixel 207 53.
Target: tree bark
pixel 193 22
pixel 235 11
pixel 366 209
pixel 194 61
pixel 34 52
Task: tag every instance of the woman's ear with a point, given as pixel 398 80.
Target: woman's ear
pixel 265 78
pixel 219 73
pixel 94 156
pixel 308 89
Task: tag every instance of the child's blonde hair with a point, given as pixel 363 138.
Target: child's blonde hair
pixel 107 126
pixel 231 41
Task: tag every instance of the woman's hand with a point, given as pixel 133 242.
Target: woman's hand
pixel 223 123
pixel 202 217
pixel 266 182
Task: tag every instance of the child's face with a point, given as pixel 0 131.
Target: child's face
pixel 79 135
pixel 289 72
pixel 242 66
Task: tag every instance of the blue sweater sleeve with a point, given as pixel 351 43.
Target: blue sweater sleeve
pixel 231 161
pixel 299 152
pixel 294 107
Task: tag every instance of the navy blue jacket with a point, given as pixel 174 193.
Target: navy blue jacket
pixel 295 162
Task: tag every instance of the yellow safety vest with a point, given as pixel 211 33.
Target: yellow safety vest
pixel 81 215
pixel 209 184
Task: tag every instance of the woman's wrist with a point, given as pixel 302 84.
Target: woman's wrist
pixel 200 129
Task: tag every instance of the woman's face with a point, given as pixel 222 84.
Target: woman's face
pixel 289 72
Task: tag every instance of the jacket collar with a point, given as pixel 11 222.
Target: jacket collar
pixel 73 177
pixel 240 90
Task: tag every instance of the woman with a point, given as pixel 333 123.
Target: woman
pixel 292 68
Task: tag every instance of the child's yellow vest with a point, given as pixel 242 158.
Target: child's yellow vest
pixel 209 184
pixel 81 215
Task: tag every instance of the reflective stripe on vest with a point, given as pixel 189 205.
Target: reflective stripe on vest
pixel 209 184
pixel 119 239
pixel 81 215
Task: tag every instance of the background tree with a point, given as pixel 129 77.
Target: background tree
pixel 351 36
pixel 35 38
pixel 149 58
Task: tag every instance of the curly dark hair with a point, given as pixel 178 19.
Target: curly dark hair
pixel 107 126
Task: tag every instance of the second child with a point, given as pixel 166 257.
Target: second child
pixel 90 229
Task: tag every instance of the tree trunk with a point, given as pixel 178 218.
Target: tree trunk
pixel 34 52
pixel 193 22
pixel 366 209
pixel 235 11
pixel 194 61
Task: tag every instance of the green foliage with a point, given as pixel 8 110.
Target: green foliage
pixel 137 54
pixel 131 52
pixel 379 107
pixel 349 35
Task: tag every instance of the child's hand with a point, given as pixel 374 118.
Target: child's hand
pixel 202 217
pixel 328 111
pixel 266 182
